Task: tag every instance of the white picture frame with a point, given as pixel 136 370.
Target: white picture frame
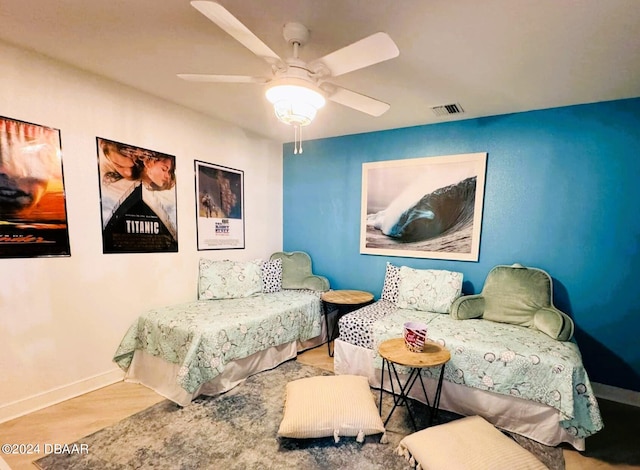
pixel 219 207
pixel 428 207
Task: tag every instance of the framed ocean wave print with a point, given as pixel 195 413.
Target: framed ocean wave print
pixel 427 207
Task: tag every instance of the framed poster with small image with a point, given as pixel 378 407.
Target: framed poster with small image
pixel 219 207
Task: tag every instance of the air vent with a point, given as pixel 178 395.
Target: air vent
pixel 447 109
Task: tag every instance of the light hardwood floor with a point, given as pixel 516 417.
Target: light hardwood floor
pixel 614 448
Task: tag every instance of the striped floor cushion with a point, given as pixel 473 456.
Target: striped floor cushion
pixel 332 405
pixel 470 443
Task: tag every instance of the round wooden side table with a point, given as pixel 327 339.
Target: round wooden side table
pixel 394 351
pixel 344 301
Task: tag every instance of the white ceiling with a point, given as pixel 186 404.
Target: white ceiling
pixel 490 56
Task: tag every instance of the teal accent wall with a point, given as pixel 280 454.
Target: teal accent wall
pixel 562 193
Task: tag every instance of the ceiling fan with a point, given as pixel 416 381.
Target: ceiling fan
pixel 293 73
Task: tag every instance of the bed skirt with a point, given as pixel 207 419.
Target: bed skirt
pixel 530 419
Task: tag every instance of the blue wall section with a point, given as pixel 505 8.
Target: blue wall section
pixel 562 193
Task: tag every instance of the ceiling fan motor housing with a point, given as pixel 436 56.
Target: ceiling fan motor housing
pixel 295 33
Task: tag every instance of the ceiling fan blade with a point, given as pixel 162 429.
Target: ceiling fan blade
pixel 229 23
pixel 368 51
pixel 196 77
pixel 358 101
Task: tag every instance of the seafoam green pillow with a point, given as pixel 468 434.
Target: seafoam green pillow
pixel 429 290
pixel 513 294
pixel 227 279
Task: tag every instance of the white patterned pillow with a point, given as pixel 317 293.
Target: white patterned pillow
pixel 228 279
pixel 272 276
pixel 430 290
pixel 391 283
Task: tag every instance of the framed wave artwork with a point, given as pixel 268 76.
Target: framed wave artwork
pixel 423 207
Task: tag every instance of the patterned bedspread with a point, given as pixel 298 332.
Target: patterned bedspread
pixel 498 357
pixel 205 335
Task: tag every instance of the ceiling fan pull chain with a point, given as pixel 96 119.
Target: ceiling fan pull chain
pixel 297 139
pixel 300 139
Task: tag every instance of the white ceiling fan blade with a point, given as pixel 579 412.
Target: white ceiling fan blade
pixel 358 101
pixel 368 51
pixel 196 77
pixel 229 23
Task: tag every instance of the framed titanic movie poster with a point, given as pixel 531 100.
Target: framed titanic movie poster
pixel 33 210
pixel 423 207
pixel 138 199
pixel 219 207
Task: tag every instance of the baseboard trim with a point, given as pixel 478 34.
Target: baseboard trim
pixel 619 395
pixel 51 397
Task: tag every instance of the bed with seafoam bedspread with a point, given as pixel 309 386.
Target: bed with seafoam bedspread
pixel 520 379
pixel 494 357
pixel 249 317
pixel 202 337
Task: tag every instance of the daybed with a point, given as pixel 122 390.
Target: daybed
pixel 249 317
pixel 512 358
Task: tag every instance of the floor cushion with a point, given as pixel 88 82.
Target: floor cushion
pixel 468 443
pixel 332 405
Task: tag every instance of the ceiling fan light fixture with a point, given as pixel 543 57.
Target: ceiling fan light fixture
pixel 295 105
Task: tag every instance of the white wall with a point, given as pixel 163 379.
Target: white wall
pixel 61 319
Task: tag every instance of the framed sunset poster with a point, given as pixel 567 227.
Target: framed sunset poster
pixel 219 207
pixel 33 209
pixel 423 207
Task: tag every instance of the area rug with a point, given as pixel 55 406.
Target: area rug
pixel 237 430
